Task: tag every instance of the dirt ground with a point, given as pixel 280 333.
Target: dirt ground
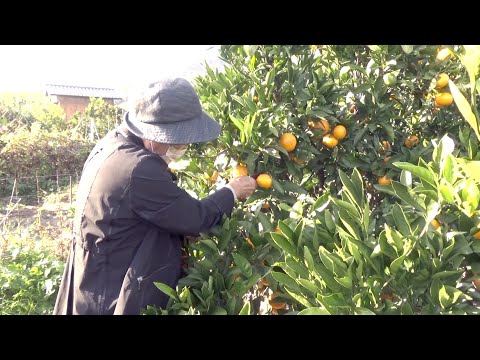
pixel 50 223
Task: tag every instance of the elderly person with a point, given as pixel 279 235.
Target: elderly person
pixel 131 217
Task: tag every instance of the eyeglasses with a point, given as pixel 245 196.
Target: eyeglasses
pixel 180 146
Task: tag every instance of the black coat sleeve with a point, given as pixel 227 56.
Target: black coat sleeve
pixel 154 197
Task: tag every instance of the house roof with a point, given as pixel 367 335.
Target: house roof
pixel 68 90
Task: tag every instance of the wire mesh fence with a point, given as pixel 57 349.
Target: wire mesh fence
pixel 41 200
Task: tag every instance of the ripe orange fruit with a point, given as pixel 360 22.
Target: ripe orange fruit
pixel 444 53
pixel 477 235
pixel 330 141
pixel 288 141
pixel 442 80
pixel 264 181
pixel 384 180
pixel 322 124
pixel 443 99
pixel 435 224
pixel 411 141
pixel 240 170
pixel 340 132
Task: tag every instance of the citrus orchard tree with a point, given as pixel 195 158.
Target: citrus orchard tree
pixel 366 158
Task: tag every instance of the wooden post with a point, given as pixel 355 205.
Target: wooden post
pixel 38 188
pixel 14 187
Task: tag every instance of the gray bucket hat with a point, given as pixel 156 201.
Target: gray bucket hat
pixel 169 112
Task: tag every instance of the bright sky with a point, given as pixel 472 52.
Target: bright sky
pixel 29 67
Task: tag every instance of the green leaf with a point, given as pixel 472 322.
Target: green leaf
pixel 359 135
pixel 308 259
pixel 329 221
pixel 298 267
pixel 393 238
pixel 448 173
pixel 294 188
pixel 285 245
pixel 298 298
pixel 310 286
pixel 237 122
pixel 464 107
pixel 245 309
pixel 314 311
pixel 299 232
pixel 441 152
pixel 322 273
pixel 336 299
pixel 434 291
pixel 444 298
pixel 287 232
pixel 471 194
pixel 331 262
pixel 422 173
pixel 303 95
pixel 401 221
pixel 406 309
pixel 345 281
pixel 445 274
pixel 286 280
pixel 363 311
pixel 350 189
pixel 219 311
pixel 265 221
pixel 447 193
pixel 407 49
pixel 320 204
pixel 351 227
pixel 167 290
pixel 347 206
pixel 385 247
pixel 471 168
pixel 397 264
pixel 400 191
pixel 389 131
pixel 211 244
pixel 243 264
pixel 366 217
pixel 471 60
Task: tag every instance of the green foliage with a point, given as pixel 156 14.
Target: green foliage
pixel 29 281
pixel 35 151
pixel 18 109
pixel 100 117
pixel 341 244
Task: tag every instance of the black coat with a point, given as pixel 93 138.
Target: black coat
pixel 129 222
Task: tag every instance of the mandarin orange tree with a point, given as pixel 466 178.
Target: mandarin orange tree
pixel 367 163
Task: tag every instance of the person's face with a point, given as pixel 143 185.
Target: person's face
pixel 161 149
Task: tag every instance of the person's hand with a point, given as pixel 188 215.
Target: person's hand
pixel 244 186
